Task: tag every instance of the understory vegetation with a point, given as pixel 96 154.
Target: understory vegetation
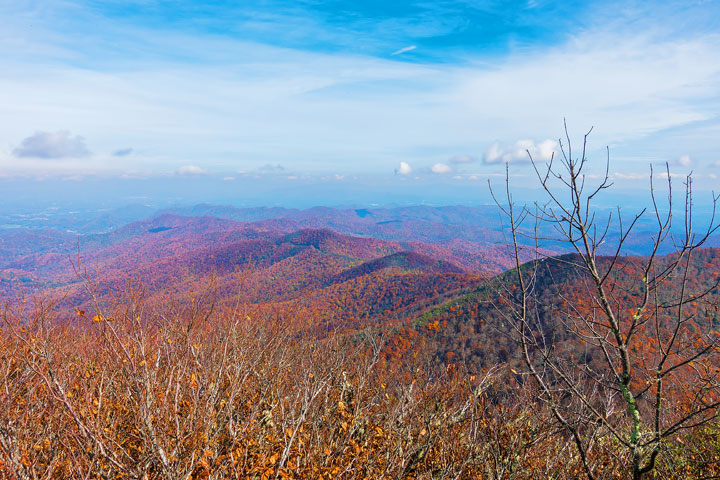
pixel 188 391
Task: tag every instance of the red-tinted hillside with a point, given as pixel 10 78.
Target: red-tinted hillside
pixel 176 257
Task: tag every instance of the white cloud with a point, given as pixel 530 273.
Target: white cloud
pixel 52 145
pixel 404 50
pixel 684 161
pixel 191 170
pixel 458 159
pixel 441 168
pixel 403 169
pixel 540 152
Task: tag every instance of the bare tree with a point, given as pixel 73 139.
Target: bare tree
pixel 626 353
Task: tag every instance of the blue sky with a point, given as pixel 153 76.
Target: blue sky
pixel 346 92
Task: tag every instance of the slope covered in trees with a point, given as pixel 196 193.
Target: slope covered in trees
pixel 334 276
pixel 192 390
pixel 476 328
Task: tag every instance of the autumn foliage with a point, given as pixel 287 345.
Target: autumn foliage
pixel 187 390
pixel 205 349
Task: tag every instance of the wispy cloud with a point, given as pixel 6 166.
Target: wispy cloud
pixel 462 159
pixel 631 176
pixel 269 168
pixel 404 50
pixel 620 85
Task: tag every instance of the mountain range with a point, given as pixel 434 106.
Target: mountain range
pixel 432 272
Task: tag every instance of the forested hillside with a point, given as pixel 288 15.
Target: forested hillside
pixel 200 347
